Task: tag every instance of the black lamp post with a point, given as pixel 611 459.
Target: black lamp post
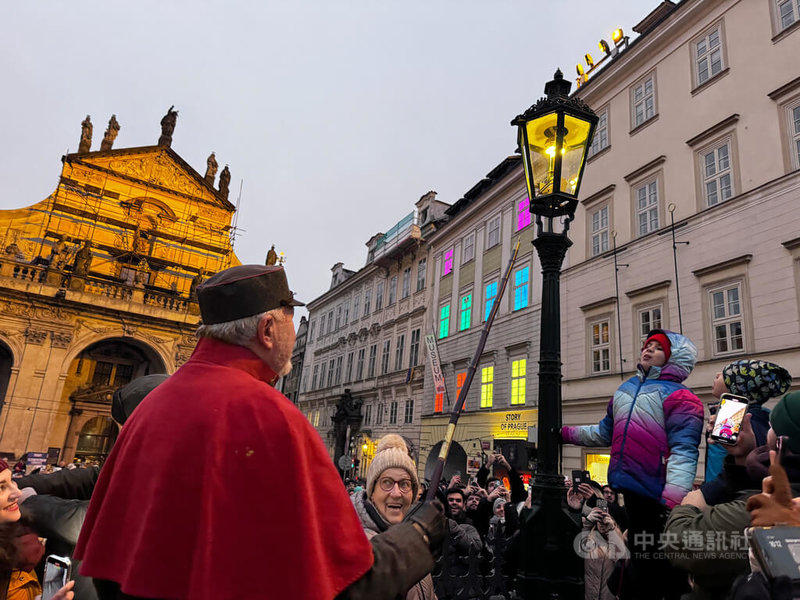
pixel 554 137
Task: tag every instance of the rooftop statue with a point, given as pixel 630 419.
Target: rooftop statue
pixel 224 182
pixel 168 127
pixel 211 169
pixel 111 134
pixel 85 144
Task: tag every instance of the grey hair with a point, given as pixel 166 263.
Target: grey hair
pixel 239 332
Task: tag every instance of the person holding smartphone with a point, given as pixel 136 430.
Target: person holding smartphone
pixel 20 548
pixel 653 424
pixel 756 381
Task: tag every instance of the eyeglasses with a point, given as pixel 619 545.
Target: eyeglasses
pixel 387 484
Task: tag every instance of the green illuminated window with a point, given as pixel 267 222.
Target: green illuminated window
pixel 466 313
pixel 444 321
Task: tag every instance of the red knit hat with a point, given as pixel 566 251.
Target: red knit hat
pixel 660 337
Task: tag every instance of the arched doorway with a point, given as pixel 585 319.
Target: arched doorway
pixel 95 439
pixel 6 361
pixel 92 378
pixel 456 460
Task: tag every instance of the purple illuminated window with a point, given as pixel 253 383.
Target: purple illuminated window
pixel 523 213
pixel 448 262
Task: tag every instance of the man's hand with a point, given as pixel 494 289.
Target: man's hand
pixel 503 462
pixel 775 504
pixel 587 491
pixel 695 498
pixel 574 500
pixel 745 442
pixel 455 481
pixel 429 520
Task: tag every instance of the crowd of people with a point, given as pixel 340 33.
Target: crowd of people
pixel 219 488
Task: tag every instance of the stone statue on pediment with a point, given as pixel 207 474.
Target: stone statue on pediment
pixel 111 134
pixel 224 182
pixel 272 256
pixel 168 127
pixel 83 260
pixel 196 281
pixel 85 144
pixel 211 169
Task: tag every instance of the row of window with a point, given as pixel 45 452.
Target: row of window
pixel 493 236
pixel 353 309
pixel 380 412
pixel 357 365
pixel 319 418
pixel 518 378
pixel 521 299
pixel 726 322
pixel 717 182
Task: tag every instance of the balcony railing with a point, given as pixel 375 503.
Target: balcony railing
pixel 397 238
pixel 43 276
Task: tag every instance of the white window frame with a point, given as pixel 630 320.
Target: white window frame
pixel 599 232
pixel 793 131
pixel 379 293
pixel 399 350
pixel 368 414
pixel 640 94
pixel 386 354
pixel 723 165
pixel 413 348
pixel 468 248
pixel 703 55
pixel 784 20
pixel 408 416
pixel 599 350
pixel 393 412
pixel 406 284
pixel 601 138
pixel 422 265
pixel 493 232
pixel 731 315
pixel 360 360
pixel 652 206
pixel 654 320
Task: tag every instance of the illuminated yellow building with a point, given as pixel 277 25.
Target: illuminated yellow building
pixel 97 285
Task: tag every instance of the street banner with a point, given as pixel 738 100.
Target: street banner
pixel 436 367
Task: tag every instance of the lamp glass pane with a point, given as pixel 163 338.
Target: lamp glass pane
pixel 576 142
pixel 541 147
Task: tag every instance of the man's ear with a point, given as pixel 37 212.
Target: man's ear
pixel 264 333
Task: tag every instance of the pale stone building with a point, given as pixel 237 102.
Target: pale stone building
pixel 364 353
pixel 700 126
pixel 469 256
pixel 97 287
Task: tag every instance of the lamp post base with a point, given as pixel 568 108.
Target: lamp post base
pixel 549 568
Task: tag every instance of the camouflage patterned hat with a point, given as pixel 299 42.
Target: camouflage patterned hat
pixel 757 380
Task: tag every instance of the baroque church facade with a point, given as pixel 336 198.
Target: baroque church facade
pixel 97 287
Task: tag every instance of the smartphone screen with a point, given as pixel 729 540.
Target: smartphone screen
pixel 602 504
pixel 56 575
pixel 729 419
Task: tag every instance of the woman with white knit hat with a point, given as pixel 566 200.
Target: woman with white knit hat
pixel 392 486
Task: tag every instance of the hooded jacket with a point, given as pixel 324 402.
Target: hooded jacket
pixel 653 425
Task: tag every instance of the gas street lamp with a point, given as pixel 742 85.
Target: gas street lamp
pixel 554 136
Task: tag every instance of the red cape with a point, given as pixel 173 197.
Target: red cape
pixel 218 487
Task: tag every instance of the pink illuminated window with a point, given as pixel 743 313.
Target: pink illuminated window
pixel 523 213
pixel 448 262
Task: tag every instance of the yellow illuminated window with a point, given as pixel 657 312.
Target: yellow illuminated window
pixel 487 384
pixel 518 369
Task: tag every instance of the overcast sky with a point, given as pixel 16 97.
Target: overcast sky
pixel 335 116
